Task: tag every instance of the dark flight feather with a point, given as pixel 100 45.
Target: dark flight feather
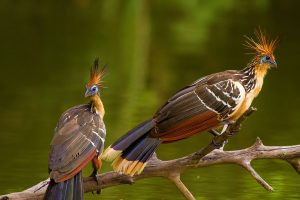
pixel 69 189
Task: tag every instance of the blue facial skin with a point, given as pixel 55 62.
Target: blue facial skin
pixel 268 60
pixel 93 90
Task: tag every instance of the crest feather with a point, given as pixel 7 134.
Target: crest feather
pixel 263 45
pixel 96 74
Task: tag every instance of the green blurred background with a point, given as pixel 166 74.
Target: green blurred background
pixel 152 49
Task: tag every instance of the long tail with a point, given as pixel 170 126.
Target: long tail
pixel 69 189
pixel 131 152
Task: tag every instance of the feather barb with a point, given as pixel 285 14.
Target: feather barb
pixel 263 45
pixel 96 74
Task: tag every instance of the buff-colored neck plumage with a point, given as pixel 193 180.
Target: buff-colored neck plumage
pixel 95 79
pixel 97 105
pixel 261 47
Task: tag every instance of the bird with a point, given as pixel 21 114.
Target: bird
pixel 79 139
pixel 211 102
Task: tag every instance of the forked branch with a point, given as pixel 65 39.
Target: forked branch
pixel 172 169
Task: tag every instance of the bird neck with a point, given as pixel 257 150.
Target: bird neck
pixel 253 76
pixel 97 105
pixel 248 78
pixel 260 73
pixel 261 70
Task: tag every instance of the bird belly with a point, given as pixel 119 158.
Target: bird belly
pixel 244 106
pixel 248 99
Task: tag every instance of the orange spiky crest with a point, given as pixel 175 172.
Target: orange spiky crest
pixel 96 75
pixel 263 45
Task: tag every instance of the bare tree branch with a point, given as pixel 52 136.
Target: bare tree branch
pixel 246 164
pixel 175 178
pixel 167 169
pixel 295 162
pixel 172 169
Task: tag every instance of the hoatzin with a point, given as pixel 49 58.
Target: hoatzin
pixel 212 101
pixel 78 139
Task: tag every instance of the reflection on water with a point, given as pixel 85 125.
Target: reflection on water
pixel 152 48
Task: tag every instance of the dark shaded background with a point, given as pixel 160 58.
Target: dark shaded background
pixel 152 48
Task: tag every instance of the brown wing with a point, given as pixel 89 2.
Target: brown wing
pixel 199 107
pixel 79 137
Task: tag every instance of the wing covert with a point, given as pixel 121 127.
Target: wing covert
pixel 78 135
pixel 223 97
pixel 203 101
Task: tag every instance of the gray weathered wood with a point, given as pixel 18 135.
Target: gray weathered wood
pixel 159 168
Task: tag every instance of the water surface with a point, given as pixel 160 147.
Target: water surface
pixel 152 48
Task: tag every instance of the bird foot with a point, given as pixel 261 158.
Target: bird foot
pixel 219 145
pixel 235 128
pixel 95 177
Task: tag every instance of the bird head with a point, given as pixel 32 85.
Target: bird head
pixel 95 83
pixel 91 91
pixel 263 48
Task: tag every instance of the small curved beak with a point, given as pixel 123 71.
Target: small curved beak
pixel 273 64
pixel 87 93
